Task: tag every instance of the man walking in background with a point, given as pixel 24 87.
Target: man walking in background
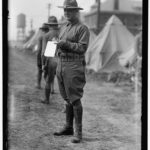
pixel 71 48
pixel 44 30
pixel 49 63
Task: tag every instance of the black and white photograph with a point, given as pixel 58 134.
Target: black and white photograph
pixel 74 79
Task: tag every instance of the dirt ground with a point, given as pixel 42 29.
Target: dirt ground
pixel 111 117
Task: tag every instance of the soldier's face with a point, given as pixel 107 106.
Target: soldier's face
pixel 45 30
pixel 70 14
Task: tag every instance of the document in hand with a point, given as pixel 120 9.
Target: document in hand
pixel 50 49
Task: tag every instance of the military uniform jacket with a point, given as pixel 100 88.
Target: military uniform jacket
pixel 76 36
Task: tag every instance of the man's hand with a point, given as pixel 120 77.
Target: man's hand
pixel 62 45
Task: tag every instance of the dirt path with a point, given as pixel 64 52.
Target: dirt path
pixel 111 119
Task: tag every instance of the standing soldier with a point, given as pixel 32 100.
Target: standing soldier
pixel 49 63
pixel 44 30
pixel 72 45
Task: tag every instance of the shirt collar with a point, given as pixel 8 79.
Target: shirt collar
pixel 73 22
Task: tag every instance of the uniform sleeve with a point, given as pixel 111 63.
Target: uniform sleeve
pixel 39 50
pixel 39 46
pixel 44 43
pixel 82 42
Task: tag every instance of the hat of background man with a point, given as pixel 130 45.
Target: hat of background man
pixel 70 4
pixel 44 27
pixel 52 20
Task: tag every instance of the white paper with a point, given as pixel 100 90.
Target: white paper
pixel 50 49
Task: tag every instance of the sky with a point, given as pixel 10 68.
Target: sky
pixel 37 10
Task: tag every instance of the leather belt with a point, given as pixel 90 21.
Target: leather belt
pixel 70 58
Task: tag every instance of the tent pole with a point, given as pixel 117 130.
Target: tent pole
pixel 98 15
pixel 49 6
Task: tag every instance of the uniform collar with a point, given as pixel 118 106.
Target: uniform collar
pixel 75 21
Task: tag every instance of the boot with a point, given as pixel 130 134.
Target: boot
pixel 64 108
pixel 78 112
pixel 52 87
pixel 47 95
pixel 39 77
pixel 68 128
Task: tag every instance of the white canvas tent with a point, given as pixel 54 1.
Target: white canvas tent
pixel 32 43
pixel 134 59
pixel 91 39
pixel 130 56
pixel 112 41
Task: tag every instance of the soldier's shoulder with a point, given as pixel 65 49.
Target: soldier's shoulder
pixel 83 27
pixel 63 25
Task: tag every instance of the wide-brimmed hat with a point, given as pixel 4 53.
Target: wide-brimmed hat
pixel 52 20
pixel 70 4
pixel 44 27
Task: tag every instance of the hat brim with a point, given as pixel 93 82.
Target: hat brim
pixel 42 28
pixel 52 24
pixel 79 8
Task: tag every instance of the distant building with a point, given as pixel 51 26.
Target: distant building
pixel 129 11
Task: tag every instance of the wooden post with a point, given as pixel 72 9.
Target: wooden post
pixel 31 24
pixel 49 6
pixel 98 15
pixel 116 5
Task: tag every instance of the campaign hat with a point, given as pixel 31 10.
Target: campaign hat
pixel 52 20
pixel 70 4
pixel 44 27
